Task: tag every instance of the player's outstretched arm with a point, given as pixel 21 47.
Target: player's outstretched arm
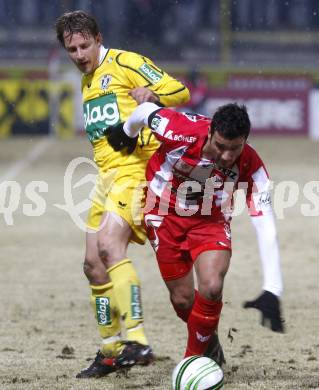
pixel 125 135
pixel 269 300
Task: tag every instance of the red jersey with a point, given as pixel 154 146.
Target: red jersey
pixel 185 183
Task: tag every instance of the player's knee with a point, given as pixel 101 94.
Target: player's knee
pixel 94 270
pixel 110 251
pixel 212 289
pixel 87 268
pixel 182 301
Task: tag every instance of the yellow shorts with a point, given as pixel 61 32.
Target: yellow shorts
pixel 120 190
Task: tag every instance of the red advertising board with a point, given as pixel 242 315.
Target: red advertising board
pixel 276 105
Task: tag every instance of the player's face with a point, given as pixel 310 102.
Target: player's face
pixel 224 151
pixel 83 50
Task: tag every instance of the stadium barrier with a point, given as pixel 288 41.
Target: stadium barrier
pixel 279 104
pixel 36 107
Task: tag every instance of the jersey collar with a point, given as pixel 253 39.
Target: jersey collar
pixel 102 54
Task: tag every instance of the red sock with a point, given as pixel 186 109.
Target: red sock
pixel 184 313
pixel 201 324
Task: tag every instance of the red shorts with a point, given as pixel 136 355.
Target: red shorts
pixel 178 241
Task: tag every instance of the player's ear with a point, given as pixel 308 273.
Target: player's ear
pixel 99 39
pixel 210 132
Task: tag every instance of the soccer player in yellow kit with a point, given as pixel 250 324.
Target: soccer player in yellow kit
pixel 114 82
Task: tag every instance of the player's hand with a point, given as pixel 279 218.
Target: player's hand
pixel 269 305
pixel 119 140
pixel 142 95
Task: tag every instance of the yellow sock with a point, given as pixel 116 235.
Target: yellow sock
pixel 108 318
pixel 127 289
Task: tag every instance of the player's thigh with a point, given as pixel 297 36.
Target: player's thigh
pixel 91 250
pixel 113 236
pixel 167 240
pixel 208 235
pixel 94 217
pixel 123 197
pixel 126 199
pixel 92 258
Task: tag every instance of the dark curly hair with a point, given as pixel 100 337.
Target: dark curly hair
pixel 231 121
pixel 76 22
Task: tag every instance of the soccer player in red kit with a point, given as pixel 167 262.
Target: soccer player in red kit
pixel 191 182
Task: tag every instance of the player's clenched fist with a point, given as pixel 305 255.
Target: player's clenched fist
pixel 142 95
pixel 119 140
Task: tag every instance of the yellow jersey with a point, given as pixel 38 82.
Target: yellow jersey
pixel 106 101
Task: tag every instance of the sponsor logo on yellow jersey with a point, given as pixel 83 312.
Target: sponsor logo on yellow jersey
pixel 153 76
pixel 99 114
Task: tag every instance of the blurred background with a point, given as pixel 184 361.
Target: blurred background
pixel 261 53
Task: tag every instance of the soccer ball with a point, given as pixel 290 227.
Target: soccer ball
pixel 197 373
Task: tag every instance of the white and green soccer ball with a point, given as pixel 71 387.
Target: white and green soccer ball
pixel 197 373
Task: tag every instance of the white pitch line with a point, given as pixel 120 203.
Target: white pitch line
pixel 22 164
